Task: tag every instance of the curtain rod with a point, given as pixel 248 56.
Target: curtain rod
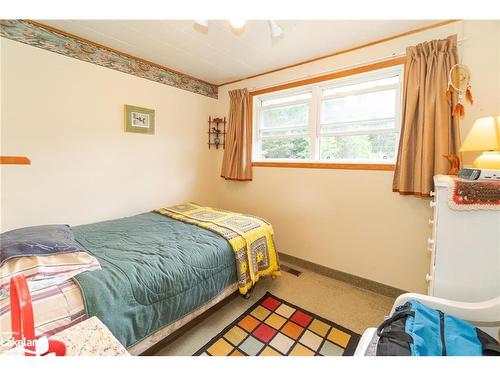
pixel 379 59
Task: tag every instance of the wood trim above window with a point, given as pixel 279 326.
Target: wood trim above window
pixel 331 76
pixel 369 167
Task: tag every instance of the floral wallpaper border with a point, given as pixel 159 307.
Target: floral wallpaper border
pixel 37 36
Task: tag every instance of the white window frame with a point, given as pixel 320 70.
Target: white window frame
pixel 314 120
pixel 257 115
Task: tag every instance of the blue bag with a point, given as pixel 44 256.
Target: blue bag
pixel 417 330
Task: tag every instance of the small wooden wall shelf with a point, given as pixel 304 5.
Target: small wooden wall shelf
pixel 14 160
pixel 216 135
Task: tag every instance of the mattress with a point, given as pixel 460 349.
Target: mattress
pixel 157 274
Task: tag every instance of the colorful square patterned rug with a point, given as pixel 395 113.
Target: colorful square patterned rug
pixel 274 327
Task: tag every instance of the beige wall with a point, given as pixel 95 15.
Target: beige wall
pixel 350 220
pixel 67 117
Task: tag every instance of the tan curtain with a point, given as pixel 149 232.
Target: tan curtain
pixel 428 129
pixel 237 162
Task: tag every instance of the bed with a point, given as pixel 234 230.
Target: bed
pixel 158 273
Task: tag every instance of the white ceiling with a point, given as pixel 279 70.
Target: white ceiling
pixel 222 54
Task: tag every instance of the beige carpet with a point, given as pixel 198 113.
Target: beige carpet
pixel 349 306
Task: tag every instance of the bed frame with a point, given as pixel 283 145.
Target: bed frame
pixel 158 340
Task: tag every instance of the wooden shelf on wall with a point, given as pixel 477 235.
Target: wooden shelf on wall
pixel 216 136
pixel 15 160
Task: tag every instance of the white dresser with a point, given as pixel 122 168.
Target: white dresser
pixel 465 249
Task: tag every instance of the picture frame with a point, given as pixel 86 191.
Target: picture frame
pixel 139 119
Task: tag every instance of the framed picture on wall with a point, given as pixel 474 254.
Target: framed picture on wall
pixel 139 120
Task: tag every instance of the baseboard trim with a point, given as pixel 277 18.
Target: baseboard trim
pixel 348 278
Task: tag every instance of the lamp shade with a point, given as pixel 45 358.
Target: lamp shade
pixel 484 135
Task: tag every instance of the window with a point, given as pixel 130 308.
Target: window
pixel 354 119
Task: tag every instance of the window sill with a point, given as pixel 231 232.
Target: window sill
pixel 369 167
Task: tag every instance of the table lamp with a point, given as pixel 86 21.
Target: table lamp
pixel 484 136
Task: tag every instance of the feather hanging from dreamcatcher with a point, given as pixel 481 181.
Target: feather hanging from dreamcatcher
pixel 459 83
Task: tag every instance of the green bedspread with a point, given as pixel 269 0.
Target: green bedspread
pixel 155 270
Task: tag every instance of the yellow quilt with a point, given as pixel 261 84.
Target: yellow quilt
pixel 251 239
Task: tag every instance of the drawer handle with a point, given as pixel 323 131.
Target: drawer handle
pixel 428 277
pixel 432 204
pixel 431 222
pixel 430 241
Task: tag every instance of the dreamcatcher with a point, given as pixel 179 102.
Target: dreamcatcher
pixel 459 82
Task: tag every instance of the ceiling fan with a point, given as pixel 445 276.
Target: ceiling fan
pixel 275 29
